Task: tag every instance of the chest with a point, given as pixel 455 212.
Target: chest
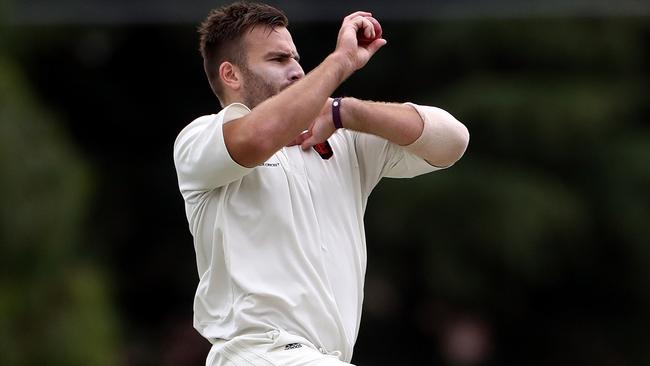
pixel 305 171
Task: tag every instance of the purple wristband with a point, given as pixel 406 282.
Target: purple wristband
pixel 336 113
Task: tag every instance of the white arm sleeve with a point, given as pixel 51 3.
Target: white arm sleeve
pixel 443 140
pixel 200 154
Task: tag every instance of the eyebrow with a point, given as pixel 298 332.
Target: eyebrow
pixel 274 54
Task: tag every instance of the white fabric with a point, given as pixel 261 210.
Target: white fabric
pixel 282 246
pixel 273 348
pixel 431 141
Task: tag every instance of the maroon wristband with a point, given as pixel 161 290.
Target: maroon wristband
pixel 336 113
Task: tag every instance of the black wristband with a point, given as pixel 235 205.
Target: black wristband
pixel 336 113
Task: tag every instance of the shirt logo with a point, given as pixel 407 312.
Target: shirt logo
pixel 273 165
pixel 292 346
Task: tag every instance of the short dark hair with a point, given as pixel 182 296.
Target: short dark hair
pixel 222 31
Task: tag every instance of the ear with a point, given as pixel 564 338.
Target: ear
pixel 230 75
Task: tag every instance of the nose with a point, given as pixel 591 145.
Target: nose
pixel 296 72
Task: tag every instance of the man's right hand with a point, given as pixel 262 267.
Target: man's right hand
pixel 276 122
pixel 356 53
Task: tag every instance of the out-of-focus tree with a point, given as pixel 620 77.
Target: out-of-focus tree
pixel 532 250
pixel 54 302
pixel 542 229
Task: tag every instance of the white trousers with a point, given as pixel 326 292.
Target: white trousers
pixel 274 348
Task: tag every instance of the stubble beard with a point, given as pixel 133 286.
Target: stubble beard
pixel 256 89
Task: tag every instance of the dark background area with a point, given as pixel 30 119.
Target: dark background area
pixel 533 249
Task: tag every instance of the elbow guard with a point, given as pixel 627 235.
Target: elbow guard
pixel 443 140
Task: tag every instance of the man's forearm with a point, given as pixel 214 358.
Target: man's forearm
pixel 290 112
pixel 279 119
pixel 429 132
pixel 398 123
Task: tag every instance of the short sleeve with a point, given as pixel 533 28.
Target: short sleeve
pixel 380 158
pixel 200 155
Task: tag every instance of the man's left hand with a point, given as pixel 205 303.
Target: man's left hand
pixel 319 130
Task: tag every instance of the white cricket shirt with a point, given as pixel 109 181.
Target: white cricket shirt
pixel 282 245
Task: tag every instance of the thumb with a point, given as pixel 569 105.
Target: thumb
pixel 376 45
pixel 300 138
pixel 309 142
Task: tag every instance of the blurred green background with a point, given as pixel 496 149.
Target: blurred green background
pixel 534 249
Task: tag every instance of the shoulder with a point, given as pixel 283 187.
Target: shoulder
pixel 194 127
pixel 229 113
pixel 233 111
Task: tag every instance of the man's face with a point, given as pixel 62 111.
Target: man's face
pixel 271 64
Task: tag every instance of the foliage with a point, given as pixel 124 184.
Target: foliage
pixel 542 228
pixel 54 308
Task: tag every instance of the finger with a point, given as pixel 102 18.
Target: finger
pixel 300 138
pixel 375 26
pixel 364 25
pixel 356 14
pixel 295 141
pixel 369 29
pixel 311 141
